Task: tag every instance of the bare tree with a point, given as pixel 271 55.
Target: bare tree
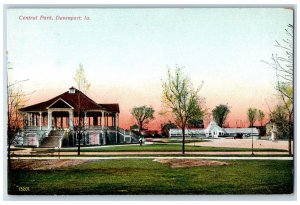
pixel 80 79
pixel 82 85
pixel 143 115
pixel 220 113
pixel 283 64
pixel 16 99
pixel 181 99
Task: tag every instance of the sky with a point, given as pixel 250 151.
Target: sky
pixel 126 53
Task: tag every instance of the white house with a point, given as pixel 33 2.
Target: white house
pixel 214 131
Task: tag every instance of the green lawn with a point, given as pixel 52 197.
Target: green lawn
pixel 177 140
pixel 165 148
pixel 149 177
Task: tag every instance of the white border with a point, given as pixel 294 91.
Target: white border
pixel 226 199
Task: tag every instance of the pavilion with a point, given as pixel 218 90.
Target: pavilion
pixel 67 115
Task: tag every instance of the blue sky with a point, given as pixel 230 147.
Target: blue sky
pixel 126 52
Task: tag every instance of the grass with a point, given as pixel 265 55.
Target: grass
pixel 149 177
pixel 167 148
pixel 177 140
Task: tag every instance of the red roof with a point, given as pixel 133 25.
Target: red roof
pixel 112 107
pixel 68 99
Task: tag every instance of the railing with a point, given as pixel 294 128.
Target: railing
pixel 43 135
pixel 101 128
pixel 34 128
pixel 133 137
pixel 124 132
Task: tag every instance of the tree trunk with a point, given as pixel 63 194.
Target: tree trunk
pixel 8 158
pixel 78 148
pixel 290 134
pixel 140 128
pixel 183 139
pixel 290 145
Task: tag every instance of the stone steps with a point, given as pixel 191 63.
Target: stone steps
pixel 51 142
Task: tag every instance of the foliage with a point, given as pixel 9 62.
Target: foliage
pixel 166 128
pixel 260 116
pixel 181 99
pixel 169 125
pixel 252 116
pixel 143 115
pixel 220 113
pixel 280 118
pixel 134 127
pixel 196 120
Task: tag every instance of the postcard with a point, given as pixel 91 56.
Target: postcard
pixel 150 101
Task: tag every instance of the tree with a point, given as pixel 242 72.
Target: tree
pixel 260 117
pixel 181 99
pixel 16 99
pixel 196 120
pixel 143 115
pixel 80 79
pixel 283 64
pixel 166 128
pixel 252 116
pixel 220 113
pixel 82 85
pixel 280 119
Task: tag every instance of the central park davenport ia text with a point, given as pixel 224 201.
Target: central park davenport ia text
pixel 51 18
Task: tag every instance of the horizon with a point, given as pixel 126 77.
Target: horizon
pixel 126 54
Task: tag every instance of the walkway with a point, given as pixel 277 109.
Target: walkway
pixel 244 143
pixel 153 157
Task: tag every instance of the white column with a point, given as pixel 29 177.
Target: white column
pixel 104 137
pixel 106 120
pixel 84 120
pixel 30 119
pixel 71 125
pixel 41 120
pixel 102 120
pixel 34 119
pixel 117 120
pixel 27 118
pixel 102 125
pixel 115 124
pixel 49 120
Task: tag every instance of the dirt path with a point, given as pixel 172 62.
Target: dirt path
pixel 28 164
pixel 243 143
pixel 183 163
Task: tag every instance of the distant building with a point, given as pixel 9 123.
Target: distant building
pixel 215 131
pixel 150 134
pixel 134 127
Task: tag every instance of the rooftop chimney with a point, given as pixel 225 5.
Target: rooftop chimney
pixel 72 90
